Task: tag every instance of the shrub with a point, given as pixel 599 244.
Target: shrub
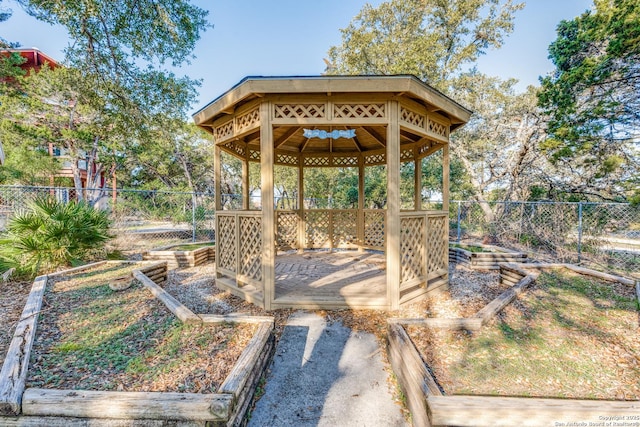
pixel 52 234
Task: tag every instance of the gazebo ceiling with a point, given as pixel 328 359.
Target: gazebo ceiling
pixel 358 104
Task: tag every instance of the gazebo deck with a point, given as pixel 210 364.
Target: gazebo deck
pixel 331 279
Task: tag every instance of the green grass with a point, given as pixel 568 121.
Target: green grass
pixel 191 246
pixel 91 337
pixel 568 337
pixel 471 248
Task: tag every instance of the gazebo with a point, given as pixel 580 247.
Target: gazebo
pixel 332 121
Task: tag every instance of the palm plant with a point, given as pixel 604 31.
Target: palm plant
pixel 51 234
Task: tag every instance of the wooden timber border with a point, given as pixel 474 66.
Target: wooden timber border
pixel 428 404
pixel 176 259
pixel 484 260
pixel 37 407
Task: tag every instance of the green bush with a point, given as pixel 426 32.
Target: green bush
pixel 52 234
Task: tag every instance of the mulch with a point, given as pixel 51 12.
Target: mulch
pixel 90 337
pixel 13 296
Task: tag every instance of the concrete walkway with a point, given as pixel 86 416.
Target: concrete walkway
pixel 326 375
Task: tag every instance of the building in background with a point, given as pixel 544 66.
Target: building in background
pixel 34 61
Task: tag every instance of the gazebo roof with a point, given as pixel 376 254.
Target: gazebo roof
pixel 253 87
pixel 325 121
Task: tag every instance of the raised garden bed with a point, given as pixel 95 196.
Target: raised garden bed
pixel 110 357
pixel 565 351
pixel 483 257
pixel 183 255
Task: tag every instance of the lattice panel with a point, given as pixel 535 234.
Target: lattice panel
pixel 358 111
pixel 374 229
pixel 412 118
pixel 287 231
pixel 345 161
pixel 254 155
pixel 411 248
pixel 223 131
pixel 226 241
pixel 251 247
pixel 248 120
pixel 316 161
pixel 375 159
pixel 299 111
pixel 438 128
pixel 406 155
pixel 236 148
pixel 345 231
pixel 286 159
pixel 437 244
pixel 317 229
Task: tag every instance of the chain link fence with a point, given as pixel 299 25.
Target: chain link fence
pixel 604 234
pixel 141 219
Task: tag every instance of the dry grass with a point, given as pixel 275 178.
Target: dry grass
pixel 570 336
pixel 92 338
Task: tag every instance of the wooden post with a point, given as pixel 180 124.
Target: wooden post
pixel 245 182
pixel 417 180
pixel 445 181
pixel 360 216
pixel 268 208
pixel 216 177
pixel 393 207
pixel 301 222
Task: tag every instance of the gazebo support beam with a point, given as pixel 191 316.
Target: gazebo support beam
pixel 301 222
pixel 417 182
pixel 393 207
pixel 268 209
pixel 360 217
pixel 445 179
pixel 245 182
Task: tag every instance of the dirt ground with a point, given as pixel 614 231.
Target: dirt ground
pixel 13 296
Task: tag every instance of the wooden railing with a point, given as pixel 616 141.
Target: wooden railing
pixel 331 228
pixel 239 246
pixel 423 250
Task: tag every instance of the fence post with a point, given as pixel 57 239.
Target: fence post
pixel 459 231
pixel 193 216
pixel 579 231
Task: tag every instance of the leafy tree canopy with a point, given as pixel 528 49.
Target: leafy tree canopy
pixel 432 39
pixel 592 98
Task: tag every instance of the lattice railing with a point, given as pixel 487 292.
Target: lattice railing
pixel 287 229
pixel 250 266
pixel 374 228
pixel 317 228
pixel 239 246
pixel 344 230
pixel 226 258
pixel 412 248
pixel 437 244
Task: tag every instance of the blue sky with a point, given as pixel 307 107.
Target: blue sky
pixel 289 37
